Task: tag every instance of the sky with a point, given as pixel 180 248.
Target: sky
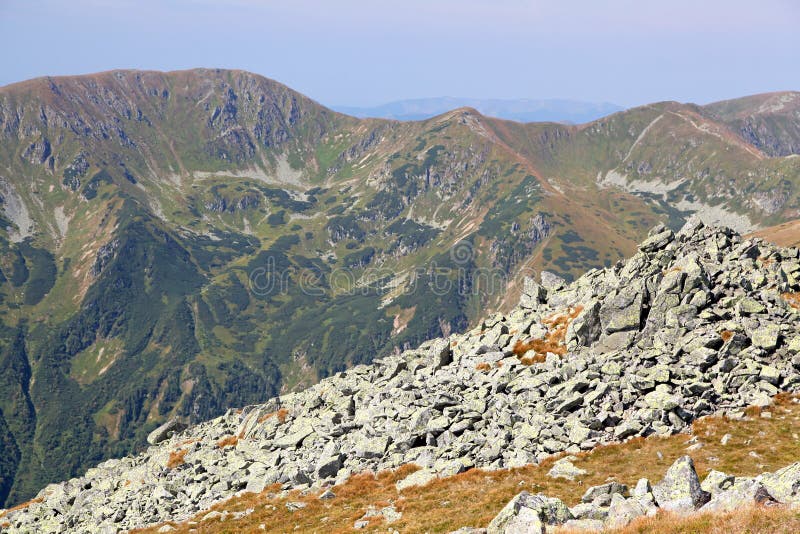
pixel 369 52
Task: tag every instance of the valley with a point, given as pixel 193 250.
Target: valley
pixel 177 244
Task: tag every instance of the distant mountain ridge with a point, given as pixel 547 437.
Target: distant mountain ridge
pixel 520 110
pixel 173 244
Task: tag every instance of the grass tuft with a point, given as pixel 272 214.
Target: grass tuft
pixel 793 299
pixel 176 458
pixel 553 341
pixel 229 441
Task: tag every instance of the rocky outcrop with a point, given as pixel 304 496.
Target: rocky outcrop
pixel 610 506
pixel 695 323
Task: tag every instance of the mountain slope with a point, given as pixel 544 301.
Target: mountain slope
pixel 174 244
pixel 696 323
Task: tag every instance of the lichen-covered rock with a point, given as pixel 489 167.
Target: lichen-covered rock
pixel 743 493
pixel 564 468
pixel 529 513
pixel 680 489
pixel 622 511
pixel 168 429
pixel 716 482
pixel 784 484
pixel 604 492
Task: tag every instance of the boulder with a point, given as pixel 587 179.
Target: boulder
pixel 743 493
pixel 417 478
pixel 440 355
pixel 165 431
pixel 604 491
pixel 784 484
pixel 528 513
pixel 564 468
pixel 622 511
pixel 680 489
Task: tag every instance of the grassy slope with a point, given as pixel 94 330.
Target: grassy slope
pixel 785 235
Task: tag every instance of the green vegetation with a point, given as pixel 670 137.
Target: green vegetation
pixel 230 239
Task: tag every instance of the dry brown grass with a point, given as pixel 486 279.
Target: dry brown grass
pixel 176 458
pixel 281 414
pixel 553 340
pixel 20 506
pixel 766 262
pixel 228 441
pixel 753 411
pixel 753 520
pixel 784 235
pixel 474 498
pixel 726 335
pixel 793 299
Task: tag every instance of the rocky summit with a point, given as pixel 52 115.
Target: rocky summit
pixel 697 322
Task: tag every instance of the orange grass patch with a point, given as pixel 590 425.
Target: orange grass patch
pixel 229 441
pixel 726 335
pixel 22 505
pixel 752 520
pixel 553 340
pixel 281 414
pixel 793 299
pixel 176 458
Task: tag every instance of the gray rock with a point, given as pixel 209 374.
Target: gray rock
pixel 624 310
pixel 564 468
pixel 766 337
pixel 165 431
pixel 741 494
pixel 440 354
pixel 608 489
pixel 551 281
pixel 784 484
pixel 716 481
pixel 680 489
pixel 417 478
pixel 529 513
pixel 662 398
pixel 622 511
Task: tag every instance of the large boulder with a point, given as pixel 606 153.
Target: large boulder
pixel 528 513
pixel 165 431
pixel 784 484
pixel 622 511
pixel 743 493
pixel 585 329
pixel 440 355
pixel 623 311
pixel 680 490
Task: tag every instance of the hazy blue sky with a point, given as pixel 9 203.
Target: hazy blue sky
pixel 365 52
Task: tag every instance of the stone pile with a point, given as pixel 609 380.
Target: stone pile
pixel 695 323
pixel 614 505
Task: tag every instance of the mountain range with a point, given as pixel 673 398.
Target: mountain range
pixel 174 244
pixel 522 110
